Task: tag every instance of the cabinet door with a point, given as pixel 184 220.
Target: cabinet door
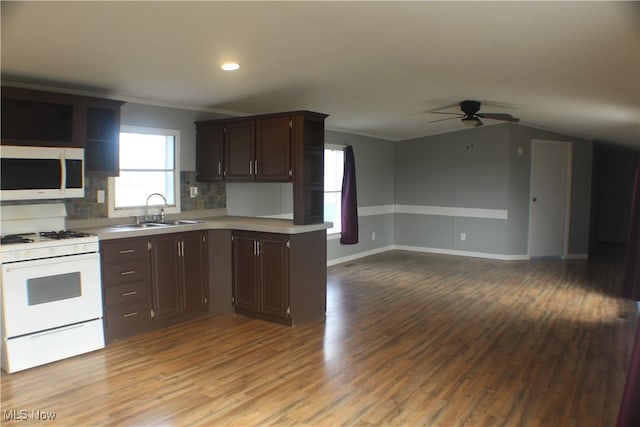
pixel 102 137
pixel 38 118
pixel 193 267
pixel 274 297
pixel 209 152
pixel 164 276
pixel 239 149
pixel 245 278
pixel 273 149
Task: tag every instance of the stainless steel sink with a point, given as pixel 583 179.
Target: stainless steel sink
pixel 141 225
pixel 181 222
pixel 167 223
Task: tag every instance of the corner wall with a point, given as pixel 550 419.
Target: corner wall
pixel 375 166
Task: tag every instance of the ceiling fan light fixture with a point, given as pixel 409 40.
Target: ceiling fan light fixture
pixel 471 121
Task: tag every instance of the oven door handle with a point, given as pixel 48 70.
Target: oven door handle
pixel 15 266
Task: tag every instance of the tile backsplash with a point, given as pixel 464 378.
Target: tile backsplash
pixel 210 196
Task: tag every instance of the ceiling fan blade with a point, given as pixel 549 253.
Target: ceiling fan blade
pixel 442 120
pixel 499 116
pixel 444 112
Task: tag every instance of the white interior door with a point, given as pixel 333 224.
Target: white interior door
pixel 550 198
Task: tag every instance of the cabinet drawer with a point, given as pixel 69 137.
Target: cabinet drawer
pixel 125 273
pixel 128 292
pixel 130 315
pixel 123 250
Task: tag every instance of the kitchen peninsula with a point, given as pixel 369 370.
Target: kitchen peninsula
pixel 156 276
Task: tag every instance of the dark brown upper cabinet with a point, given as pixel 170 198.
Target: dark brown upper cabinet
pixel 101 136
pixel 51 119
pixel 39 118
pixel 278 147
pixel 239 151
pixel 209 152
pixel 273 149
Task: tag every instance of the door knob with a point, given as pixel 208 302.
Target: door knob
pixel 535 199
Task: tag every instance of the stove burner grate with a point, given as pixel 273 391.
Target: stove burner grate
pixel 16 238
pixel 63 234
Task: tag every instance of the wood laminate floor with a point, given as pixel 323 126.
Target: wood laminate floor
pixel 410 339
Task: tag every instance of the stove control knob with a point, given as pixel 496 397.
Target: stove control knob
pixel 52 251
pixel 17 255
pixel 85 248
pixel 75 248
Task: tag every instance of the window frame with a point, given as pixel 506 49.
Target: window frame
pixel 141 210
pixel 337 224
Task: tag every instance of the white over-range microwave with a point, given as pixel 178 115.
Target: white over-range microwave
pixel 41 172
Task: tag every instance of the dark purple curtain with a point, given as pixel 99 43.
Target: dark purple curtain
pixel 629 415
pixel 349 200
pixel 631 276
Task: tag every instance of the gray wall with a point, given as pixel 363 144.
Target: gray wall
pixel 487 168
pixel 375 164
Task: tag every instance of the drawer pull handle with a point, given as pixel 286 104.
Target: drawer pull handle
pixel 135 313
pixel 127 251
pixel 126 273
pixel 128 294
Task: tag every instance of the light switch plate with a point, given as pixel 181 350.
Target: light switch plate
pixel 193 192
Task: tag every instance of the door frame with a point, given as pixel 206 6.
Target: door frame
pixel 567 210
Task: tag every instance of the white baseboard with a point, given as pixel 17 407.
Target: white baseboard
pixel 358 255
pixel 427 250
pixel 462 253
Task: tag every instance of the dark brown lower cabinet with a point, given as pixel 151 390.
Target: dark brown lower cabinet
pixel 126 284
pixel 179 276
pixel 280 277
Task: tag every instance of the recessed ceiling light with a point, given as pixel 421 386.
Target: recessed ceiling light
pixel 230 66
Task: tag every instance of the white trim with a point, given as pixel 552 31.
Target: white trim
pixel 359 255
pixel 334 236
pixel 376 210
pixel 463 253
pixel 330 146
pixel 453 211
pixel 500 257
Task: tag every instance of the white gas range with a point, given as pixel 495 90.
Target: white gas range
pixel 51 297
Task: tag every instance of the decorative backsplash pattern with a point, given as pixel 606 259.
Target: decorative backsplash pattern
pixel 210 196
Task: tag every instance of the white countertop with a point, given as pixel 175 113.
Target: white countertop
pixel 268 225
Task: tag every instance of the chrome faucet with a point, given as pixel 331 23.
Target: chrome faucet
pixel 161 209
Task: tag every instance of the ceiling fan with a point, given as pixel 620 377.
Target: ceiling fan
pixel 471 115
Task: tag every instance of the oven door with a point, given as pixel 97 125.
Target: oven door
pixel 47 293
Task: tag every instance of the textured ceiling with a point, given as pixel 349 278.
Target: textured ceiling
pixel 377 68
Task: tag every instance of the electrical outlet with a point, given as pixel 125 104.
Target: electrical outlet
pixel 463 236
pixel 373 236
pixel 193 192
pixel 100 196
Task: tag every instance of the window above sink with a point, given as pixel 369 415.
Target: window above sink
pixel 149 163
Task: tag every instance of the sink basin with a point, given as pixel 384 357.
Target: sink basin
pixel 180 222
pixel 141 225
pixel 167 223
